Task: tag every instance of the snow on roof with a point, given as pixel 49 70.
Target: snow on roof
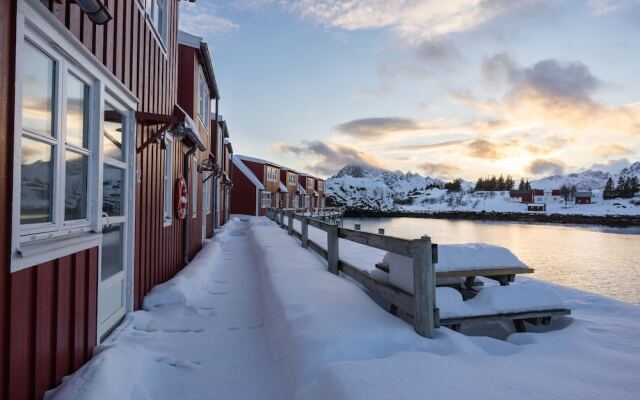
pixel 283 188
pixel 583 194
pixel 247 172
pixel 301 189
pixel 257 160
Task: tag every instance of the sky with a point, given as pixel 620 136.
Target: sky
pixel 456 88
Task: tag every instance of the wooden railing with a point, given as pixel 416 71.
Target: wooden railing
pixel 420 305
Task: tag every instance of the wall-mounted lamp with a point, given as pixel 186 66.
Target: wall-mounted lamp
pixel 95 10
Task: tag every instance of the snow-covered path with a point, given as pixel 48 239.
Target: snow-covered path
pixel 193 341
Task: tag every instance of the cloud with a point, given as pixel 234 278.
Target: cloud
pixel 327 159
pixel 373 128
pixel 549 94
pixel 201 18
pixel 484 149
pixel 612 166
pixel 421 147
pixel 546 167
pixel 410 19
pixel 438 51
pixel 439 169
pixel 608 150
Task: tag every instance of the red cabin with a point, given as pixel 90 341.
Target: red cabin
pixel 522 196
pixel 257 185
pixel 96 107
pixel 583 197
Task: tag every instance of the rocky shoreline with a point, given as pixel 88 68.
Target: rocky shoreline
pixel 607 220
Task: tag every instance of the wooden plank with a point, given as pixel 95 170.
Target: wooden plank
pixel 118 24
pixel 22 330
pixel 483 272
pixel 74 20
pixel 424 286
pixel 64 348
pixel 45 327
pixel 387 291
pixel 109 37
pixel 305 232
pixel 506 316
pixel 387 243
pixel 79 304
pixel 92 303
pixel 333 248
pixel 318 224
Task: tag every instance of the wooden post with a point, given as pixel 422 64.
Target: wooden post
pixel 356 227
pixel 290 223
pixel 424 287
pixel 380 231
pixel 281 220
pixel 305 232
pixel 332 248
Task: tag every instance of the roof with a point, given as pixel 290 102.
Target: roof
pixel 196 42
pixel 583 194
pixel 301 189
pixel 283 188
pixel 247 172
pixel 256 160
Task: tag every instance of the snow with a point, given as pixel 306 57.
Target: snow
pixel 255 316
pixel 453 257
pixel 200 335
pixel 247 172
pixel 282 187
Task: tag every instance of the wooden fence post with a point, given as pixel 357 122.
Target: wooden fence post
pixel 356 227
pixel 281 219
pixel 305 232
pixel 380 231
pixel 424 286
pixel 290 223
pixel 332 248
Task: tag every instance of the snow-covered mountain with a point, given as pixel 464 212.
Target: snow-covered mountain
pixel 587 180
pixel 374 188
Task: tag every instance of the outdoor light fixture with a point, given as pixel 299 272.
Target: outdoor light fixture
pixel 95 10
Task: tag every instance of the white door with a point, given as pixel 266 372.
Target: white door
pixel 116 226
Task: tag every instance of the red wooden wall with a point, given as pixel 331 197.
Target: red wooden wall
pixel 243 200
pixel 48 312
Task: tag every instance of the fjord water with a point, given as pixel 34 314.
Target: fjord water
pixel 597 259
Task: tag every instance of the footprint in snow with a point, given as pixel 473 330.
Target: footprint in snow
pixel 234 328
pixel 256 326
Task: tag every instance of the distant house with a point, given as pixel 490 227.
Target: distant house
pixel 521 196
pixel 536 207
pixel 538 195
pixel 320 192
pixel 289 179
pixel 256 185
pixel 583 197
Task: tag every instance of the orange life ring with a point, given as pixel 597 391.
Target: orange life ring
pixel 182 198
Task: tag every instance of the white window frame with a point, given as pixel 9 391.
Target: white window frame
pixel 33 245
pixel 169 154
pixel 265 199
pixel 310 182
pixel 204 99
pixel 194 189
pixel 272 174
pixel 146 8
pixel 292 179
pixel 320 186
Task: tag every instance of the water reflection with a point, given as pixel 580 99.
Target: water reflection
pixel 111 251
pixel 597 259
pixel 36 182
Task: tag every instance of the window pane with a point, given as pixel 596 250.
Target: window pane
pixel 113 127
pixel 75 199
pixel 77 96
pixel 111 250
pixel 36 188
pixel 112 191
pixel 37 91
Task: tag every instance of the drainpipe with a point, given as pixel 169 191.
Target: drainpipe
pixel 186 232
pixel 214 195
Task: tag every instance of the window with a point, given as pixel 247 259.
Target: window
pixel 265 199
pixel 168 180
pixel 205 102
pixel 310 183
pixel 55 111
pixel 320 186
pixel 272 174
pixel 157 16
pixel 194 189
pixel 70 163
pixel 292 179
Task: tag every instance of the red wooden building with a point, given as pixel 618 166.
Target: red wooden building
pixel 92 139
pixel 289 179
pixel 256 185
pixel 223 182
